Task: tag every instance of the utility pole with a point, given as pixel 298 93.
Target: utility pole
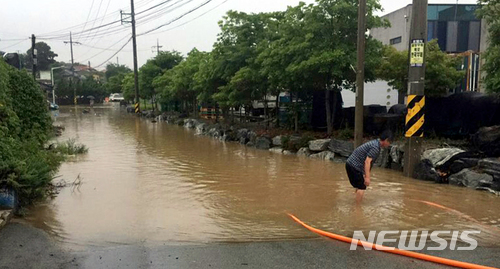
pixel 416 79
pixel 117 61
pixel 72 66
pixel 134 44
pixel 360 75
pixel 33 55
pixel 157 47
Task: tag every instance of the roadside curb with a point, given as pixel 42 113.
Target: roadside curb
pixel 5 217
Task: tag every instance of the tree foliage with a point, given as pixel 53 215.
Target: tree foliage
pixel 178 84
pixel 489 10
pixel 128 85
pixel 45 56
pixel 441 70
pixel 316 49
pixel 155 67
pixel 116 69
pixel 300 50
pixel 24 129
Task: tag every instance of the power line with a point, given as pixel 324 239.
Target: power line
pixel 96 17
pixel 116 29
pixel 176 19
pixel 141 21
pixel 105 12
pixel 15 44
pixel 195 18
pixel 88 16
pixel 10 40
pixel 155 6
pixel 128 41
pixel 106 49
pixel 65 30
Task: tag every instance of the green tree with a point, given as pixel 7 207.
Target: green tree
pixel 30 106
pixel 114 83
pixel 114 76
pixel 116 69
pixel 236 53
pixel 24 129
pixel 89 86
pixel 155 67
pixel 208 79
pixel 45 56
pixel 441 70
pixel 489 10
pixel 128 87
pixel 317 51
pixel 178 84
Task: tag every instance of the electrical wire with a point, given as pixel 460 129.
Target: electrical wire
pixel 99 53
pixel 139 21
pixel 88 16
pixel 108 49
pixel 116 29
pixel 195 18
pixel 15 44
pixel 97 16
pixel 176 19
pixel 155 6
pixel 128 41
pixel 68 29
pixel 105 12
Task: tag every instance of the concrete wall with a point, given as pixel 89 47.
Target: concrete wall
pixel 400 26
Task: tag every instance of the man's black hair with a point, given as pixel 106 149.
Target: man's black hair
pixel 387 134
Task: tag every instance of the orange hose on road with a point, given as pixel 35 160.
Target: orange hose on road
pixel 458 213
pixel 402 252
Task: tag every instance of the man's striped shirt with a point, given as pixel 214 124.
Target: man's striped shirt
pixel 369 149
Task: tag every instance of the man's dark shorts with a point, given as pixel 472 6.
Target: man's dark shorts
pixel 355 177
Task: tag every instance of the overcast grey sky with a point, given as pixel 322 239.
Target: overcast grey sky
pixel 54 19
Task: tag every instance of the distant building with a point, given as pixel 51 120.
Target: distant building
pixel 455 26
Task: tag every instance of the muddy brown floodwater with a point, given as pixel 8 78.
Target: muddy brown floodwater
pixel 147 182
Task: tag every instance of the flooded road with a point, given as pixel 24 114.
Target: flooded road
pixel 147 182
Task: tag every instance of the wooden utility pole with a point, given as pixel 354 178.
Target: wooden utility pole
pixel 360 75
pixel 416 79
pixel 33 56
pixel 157 47
pixel 72 66
pixel 134 44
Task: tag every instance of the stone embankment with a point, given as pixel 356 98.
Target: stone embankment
pixel 477 167
pixel 326 149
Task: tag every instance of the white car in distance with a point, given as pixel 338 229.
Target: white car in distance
pixel 116 97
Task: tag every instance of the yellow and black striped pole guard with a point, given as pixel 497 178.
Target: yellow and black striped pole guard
pixel 137 108
pixel 415 116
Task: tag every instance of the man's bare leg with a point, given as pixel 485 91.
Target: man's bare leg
pixel 359 196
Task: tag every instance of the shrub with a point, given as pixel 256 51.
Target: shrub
pixel 24 129
pixel 70 147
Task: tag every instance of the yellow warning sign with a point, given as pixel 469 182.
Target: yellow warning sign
pixel 417 53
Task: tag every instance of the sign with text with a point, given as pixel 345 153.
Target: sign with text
pixel 417 53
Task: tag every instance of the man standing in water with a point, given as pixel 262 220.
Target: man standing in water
pixel 360 162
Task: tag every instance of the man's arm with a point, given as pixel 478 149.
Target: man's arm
pixel 368 166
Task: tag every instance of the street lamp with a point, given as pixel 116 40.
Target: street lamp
pixel 52 78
